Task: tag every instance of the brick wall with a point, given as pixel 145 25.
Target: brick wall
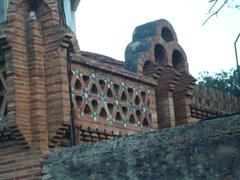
pixel 37 91
pixel 207 102
pixel 37 72
pixel 18 75
pixel 112 99
pixel 108 100
pixel 18 163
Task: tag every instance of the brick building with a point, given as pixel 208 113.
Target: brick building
pixel 55 95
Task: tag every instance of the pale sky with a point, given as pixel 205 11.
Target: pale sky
pixel 106 27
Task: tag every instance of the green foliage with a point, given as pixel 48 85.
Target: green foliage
pixel 226 81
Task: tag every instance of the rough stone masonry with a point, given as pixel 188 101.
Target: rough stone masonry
pixel 204 150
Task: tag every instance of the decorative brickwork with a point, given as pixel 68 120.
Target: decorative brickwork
pixel 51 92
pixel 123 105
pixel 208 102
pixel 109 100
pixel 164 94
pixel 156 42
pixel 182 99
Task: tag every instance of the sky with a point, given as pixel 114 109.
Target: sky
pixel 106 27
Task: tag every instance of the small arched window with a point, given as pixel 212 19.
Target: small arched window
pixel 167 34
pixel 178 61
pixel 160 54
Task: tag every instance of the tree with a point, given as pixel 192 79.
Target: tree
pixel 226 81
pixel 218 5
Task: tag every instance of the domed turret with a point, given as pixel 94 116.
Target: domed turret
pixel 155 44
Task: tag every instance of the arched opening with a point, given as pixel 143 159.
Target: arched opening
pixel 145 123
pixel 94 89
pixel 137 100
pixel 167 34
pixel 124 96
pixel 110 107
pixel 78 100
pixel 160 54
pixel 132 119
pixel 95 104
pixel 125 110
pixel 103 113
pixel 118 116
pixel 87 110
pixel 178 61
pixel 78 84
pixel 147 68
pixel 109 93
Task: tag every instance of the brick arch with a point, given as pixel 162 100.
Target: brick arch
pixel 152 29
pixel 166 31
pixel 15 6
pixel 178 58
pixel 150 54
pixel 146 38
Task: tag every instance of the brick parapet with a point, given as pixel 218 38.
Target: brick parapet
pixel 208 102
pixel 94 63
pixel 111 80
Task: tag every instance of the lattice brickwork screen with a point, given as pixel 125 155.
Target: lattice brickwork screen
pixel 110 100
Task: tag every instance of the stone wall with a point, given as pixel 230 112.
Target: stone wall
pixel 204 150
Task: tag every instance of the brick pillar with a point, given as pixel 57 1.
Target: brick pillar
pixel 56 80
pixel 17 72
pixel 182 99
pixel 164 97
pixel 38 115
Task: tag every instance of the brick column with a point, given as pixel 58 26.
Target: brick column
pixel 38 116
pixel 164 97
pixel 17 72
pixel 182 99
pixel 56 80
